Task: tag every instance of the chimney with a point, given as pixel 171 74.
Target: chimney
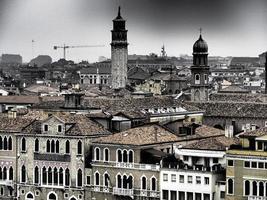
pixel 266 72
pixel 156 133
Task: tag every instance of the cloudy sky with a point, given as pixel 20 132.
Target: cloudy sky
pixel 231 27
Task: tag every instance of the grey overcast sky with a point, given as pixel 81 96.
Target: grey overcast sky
pixel 231 27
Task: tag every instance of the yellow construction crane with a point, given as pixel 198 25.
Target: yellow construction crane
pixel 64 47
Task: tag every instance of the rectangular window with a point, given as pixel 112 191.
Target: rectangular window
pixel 259 145
pixel 186 158
pixel 198 180
pixel 247 164
pixel 165 194
pixel 266 165
pixel 215 160
pixel 222 194
pixel 88 180
pixel 207 180
pixel 261 165
pixel 45 127
pixel 173 177
pixel 189 179
pixel 181 178
pixel 165 177
pixel 230 163
pixel 254 164
pixel 59 128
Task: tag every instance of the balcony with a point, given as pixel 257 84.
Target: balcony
pixel 256 198
pixel 147 193
pixel 7 182
pixel 123 192
pixel 140 166
pixel 98 188
pixel 52 157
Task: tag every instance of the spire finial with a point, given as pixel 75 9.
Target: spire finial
pixel 119 12
pixel 200 30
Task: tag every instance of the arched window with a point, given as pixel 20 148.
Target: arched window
pixel 131 156
pixel 57 146
pixel 143 183
pixel 247 187
pixel 23 174
pixel 261 189
pixel 36 145
pixel 254 188
pixel 67 177
pixel 79 148
pixel 119 155
pixel 60 176
pixel 106 154
pixel 10 143
pixel 1 173
pixel 67 147
pixel 44 176
pixel 124 181
pixel 23 144
pixel 50 175
pixel 5 173
pixel 125 156
pixel 29 196
pixel 106 180
pixel 230 184
pixel 52 146
pixel 119 185
pixel 5 143
pixel 97 153
pixel 130 182
pixel 1 143
pixel 153 184
pixel 36 175
pixel 11 173
pixel 197 79
pixel 79 178
pixel 52 196
pixel 97 178
pixel 55 176
pixel 48 146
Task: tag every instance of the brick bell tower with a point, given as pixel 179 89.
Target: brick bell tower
pixel 119 53
pixel 200 71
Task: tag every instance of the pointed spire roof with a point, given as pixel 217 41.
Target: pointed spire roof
pixel 119 13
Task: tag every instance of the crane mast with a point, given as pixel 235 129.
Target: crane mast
pixel 64 47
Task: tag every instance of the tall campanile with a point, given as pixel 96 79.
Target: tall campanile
pixel 119 53
pixel 200 71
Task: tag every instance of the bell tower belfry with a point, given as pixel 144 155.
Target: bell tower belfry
pixel 119 53
pixel 200 71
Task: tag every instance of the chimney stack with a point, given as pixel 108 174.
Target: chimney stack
pixel 156 133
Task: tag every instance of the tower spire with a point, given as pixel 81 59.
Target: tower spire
pixel 119 12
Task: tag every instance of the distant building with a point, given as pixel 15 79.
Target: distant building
pixel 245 61
pixel 119 53
pixel 41 60
pixel 31 74
pixel 11 59
pixel 262 58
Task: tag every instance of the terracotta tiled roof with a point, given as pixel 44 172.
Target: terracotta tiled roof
pixel 232 109
pixel 19 99
pixel 256 133
pixel 143 135
pixel 220 143
pixel 205 130
pixel 14 124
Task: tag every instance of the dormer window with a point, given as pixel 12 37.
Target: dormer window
pixel 59 128
pixel 45 127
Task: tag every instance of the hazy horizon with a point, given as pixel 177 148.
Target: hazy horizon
pixel 231 28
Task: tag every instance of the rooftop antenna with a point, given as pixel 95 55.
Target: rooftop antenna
pixel 33 48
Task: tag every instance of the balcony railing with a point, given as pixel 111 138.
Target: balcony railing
pixel 52 157
pixel 123 192
pixel 129 165
pixel 7 182
pixel 256 198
